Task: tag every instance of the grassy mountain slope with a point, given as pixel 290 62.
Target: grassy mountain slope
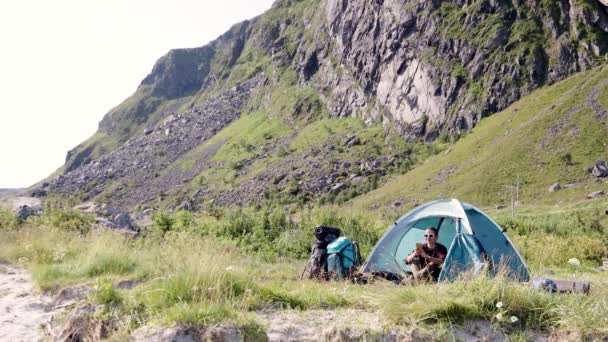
pixel 553 135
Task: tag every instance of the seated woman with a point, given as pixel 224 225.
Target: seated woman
pixel 427 262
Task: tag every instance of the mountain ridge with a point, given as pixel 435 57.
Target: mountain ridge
pixel 421 70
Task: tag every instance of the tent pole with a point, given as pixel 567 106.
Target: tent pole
pixel 512 205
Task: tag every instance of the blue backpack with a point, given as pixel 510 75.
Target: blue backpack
pixel 343 257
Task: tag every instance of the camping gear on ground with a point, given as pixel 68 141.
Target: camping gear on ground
pixel 474 243
pixel 317 263
pixel 561 285
pixel 343 257
pixel 544 284
pixel 332 256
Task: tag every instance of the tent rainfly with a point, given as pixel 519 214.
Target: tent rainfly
pixel 473 241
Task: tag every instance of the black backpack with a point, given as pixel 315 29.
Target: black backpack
pixel 317 263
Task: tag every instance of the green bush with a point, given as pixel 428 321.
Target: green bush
pixel 105 293
pixel 68 220
pixel 8 220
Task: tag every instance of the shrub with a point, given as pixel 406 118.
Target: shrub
pixel 68 220
pixel 8 220
pixel 105 293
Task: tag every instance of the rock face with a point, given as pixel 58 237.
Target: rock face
pixel 423 69
pixel 413 62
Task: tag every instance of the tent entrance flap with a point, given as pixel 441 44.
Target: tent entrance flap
pixel 465 255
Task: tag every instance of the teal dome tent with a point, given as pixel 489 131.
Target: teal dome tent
pixel 473 241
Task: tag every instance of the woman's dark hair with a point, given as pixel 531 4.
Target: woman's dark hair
pixel 434 230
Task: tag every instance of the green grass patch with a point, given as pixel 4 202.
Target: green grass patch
pixel 319 132
pixel 528 139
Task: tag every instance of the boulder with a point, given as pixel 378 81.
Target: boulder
pixel 38 193
pixel 186 205
pixel 596 194
pixel 555 187
pixel 143 218
pixel 25 211
pixel 600 169
pixel 106 216
pixel 123 220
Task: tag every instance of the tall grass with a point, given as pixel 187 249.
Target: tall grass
pixel 203 269
pixel 183 277
pixel 484 299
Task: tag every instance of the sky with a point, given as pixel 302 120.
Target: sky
pixel 65 63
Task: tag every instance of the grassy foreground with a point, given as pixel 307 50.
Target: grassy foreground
pixel 187 276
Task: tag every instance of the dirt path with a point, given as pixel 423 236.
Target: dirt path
pixel 22 313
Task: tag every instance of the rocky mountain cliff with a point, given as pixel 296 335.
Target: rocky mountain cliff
pixel 254 114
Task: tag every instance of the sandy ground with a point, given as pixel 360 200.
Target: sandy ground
pixel 22 313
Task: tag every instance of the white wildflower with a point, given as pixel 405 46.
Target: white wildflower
pixel 229 268
pixel 514 319
pixel 499 305
pixel 499 316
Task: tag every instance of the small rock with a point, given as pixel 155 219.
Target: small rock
pixel 555 187
pixel 148 131
pixel 397 204
pixel 351 141
pixel 500 206
pixel 336 188
pixel 358 180
pixel 346 165
pixel 279 178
